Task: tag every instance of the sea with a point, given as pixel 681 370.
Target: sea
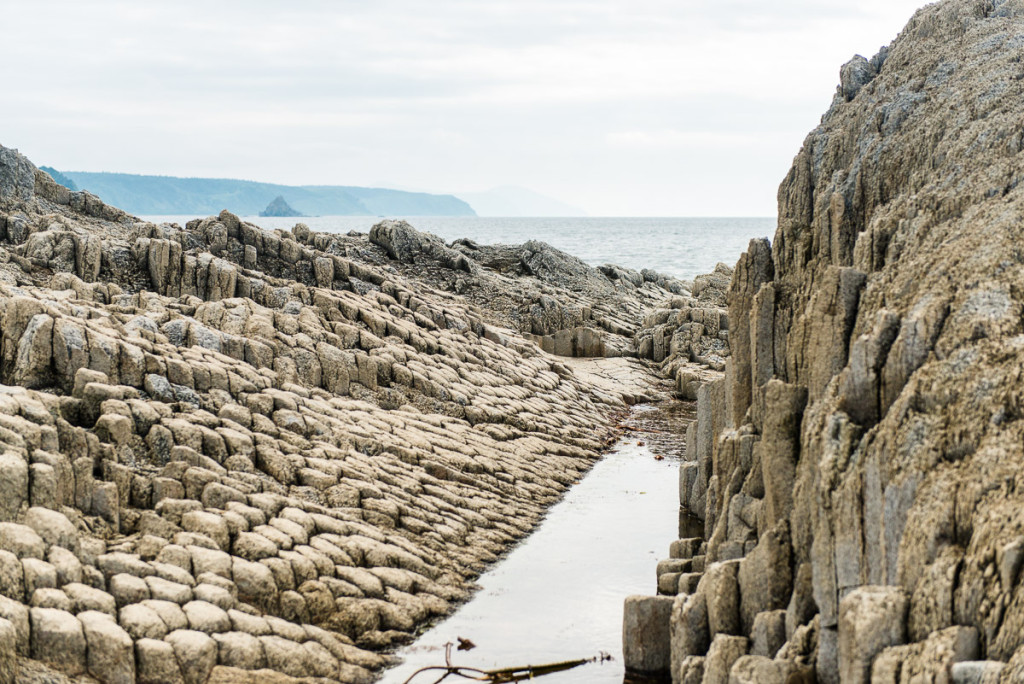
pixel 679 247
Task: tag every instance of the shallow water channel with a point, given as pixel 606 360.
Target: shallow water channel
pixel 558 595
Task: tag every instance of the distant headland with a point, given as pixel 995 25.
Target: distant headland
pixel 164 195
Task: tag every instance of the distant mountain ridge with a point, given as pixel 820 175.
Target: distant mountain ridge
pixel 162 195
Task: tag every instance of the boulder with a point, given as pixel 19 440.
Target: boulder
pixel 111 654
pixel 8 652
pixel 870 620
pixel 156 663
pixel 58 639
pixel 645 633
pixel 196 653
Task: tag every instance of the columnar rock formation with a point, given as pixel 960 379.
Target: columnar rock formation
pixel 860 465
pixel 229 454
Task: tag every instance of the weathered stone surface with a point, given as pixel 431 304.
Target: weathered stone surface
pixel 765 578
pixel 755 669
pixel 156 663
pixel 58 639
pixel 8 652
pixel 768 633
pixel 645 633
pixel 870 619
pixel 874 367
pixel 111 654
pixel 721 588
pixel 196 653
pixel 242 430
pixel 724 652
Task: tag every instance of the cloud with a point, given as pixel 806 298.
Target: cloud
pixel 608 105
pixel 669 139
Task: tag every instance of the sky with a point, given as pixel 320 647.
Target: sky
pixel 620 107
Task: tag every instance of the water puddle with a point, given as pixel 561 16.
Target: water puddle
pixel 558 595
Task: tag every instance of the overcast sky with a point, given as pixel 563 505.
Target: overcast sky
pixel 621 107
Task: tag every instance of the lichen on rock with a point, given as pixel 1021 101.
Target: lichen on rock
pixel 870 414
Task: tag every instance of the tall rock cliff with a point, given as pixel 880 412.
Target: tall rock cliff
pixel 863 456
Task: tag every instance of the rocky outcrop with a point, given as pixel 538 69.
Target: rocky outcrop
pixel 565 306
pixel 857 469
pixel 689 336
pixel 233 454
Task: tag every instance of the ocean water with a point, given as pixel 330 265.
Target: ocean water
pixel 680 247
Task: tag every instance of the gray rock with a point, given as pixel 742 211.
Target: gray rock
pixel 17 176
pixel 645 633
pixel 977 672
pixel 855 74
pixel 768 633
pixel 724 652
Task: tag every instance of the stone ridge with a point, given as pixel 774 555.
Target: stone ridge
pixel 859 467
pixel 229 454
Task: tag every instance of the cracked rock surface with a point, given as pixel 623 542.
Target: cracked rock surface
pixel 229 454
pixel 858 470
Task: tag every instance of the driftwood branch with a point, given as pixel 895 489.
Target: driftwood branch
pixel 503 675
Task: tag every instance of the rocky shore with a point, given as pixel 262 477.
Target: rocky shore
pixel 236 455
pixel 858 469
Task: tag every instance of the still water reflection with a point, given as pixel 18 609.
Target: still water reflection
pixel 558 595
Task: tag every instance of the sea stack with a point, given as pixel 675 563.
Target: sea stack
pixel 860 465
pixel 279 207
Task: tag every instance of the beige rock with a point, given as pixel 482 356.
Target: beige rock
pixel 128 589
pixel 8 652
pixel 85 598
pixel 111 654
pixel 724 652
pixel 870 619
pixel 206 617
pixel 156 663
pixel 58 639
pixel 50 598
pixel 196 653
pixel 239 649
pixel 142 622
